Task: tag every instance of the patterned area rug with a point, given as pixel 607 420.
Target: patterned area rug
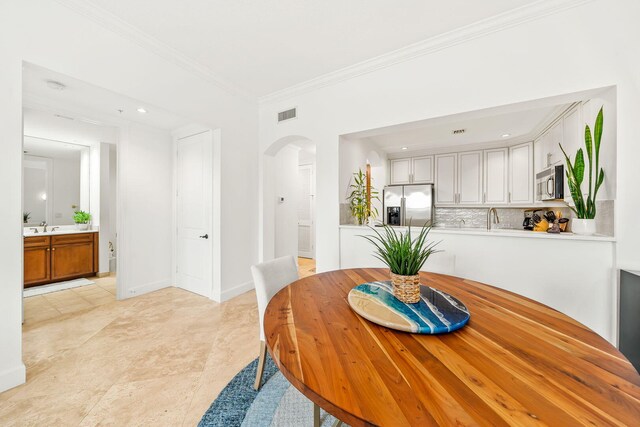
pixel 277 404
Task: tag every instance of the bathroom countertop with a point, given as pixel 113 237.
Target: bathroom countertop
pixel 31 233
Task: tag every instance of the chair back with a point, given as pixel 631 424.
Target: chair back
pixel 268 278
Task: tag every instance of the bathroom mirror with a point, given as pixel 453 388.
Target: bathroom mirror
pixel 56 181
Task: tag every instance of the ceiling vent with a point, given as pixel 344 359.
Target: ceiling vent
pixel 458 131
pixel 287 115
pixel 64 117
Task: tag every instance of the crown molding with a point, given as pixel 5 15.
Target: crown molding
pixel 117 25
pixel 512 18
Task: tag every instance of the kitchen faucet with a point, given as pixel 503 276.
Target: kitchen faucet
pixel 44 224
pixel 495 217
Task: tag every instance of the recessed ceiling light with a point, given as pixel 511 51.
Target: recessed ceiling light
pixel 141 110
pixel 506 135
pixel 403 148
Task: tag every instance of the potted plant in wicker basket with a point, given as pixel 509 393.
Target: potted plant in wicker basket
pixel 404 256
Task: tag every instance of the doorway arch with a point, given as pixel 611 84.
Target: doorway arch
pixel 278 195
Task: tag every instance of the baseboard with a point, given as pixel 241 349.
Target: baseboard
pixel 227 294
pixel 103 274
pixel 149 287
pixel 13 377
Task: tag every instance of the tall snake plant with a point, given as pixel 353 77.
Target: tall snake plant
pixel 575 172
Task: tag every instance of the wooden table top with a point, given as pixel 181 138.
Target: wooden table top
pixel 516 362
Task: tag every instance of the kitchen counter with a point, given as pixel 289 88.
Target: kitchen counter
pixel 31 233
pixel 500 232
pixel 571 273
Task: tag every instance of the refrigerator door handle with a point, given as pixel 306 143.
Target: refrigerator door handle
pixel 403 212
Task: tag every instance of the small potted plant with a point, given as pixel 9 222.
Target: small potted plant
pixel 360 200
pixel 405 257
pixel 26 216
pixel 82 218
pixel 585 210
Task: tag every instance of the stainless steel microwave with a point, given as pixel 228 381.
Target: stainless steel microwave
pixel 550 184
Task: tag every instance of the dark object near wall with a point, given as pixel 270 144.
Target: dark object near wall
pixel 629 319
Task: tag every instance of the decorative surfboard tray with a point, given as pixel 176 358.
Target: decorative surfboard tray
pixel 436 313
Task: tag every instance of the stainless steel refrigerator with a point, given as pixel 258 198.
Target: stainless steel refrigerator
pixel 408 205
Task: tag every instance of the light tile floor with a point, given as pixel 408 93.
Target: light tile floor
pixel 157 359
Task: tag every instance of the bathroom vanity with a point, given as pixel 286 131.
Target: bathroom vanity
pixel 59 255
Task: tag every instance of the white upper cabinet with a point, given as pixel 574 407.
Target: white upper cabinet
pixel 401 171
pixel 556 135
pixel 470 177
pixel 547 149
pixel 521 173
pixel 422 170
pixel 496 172
pixel 446 177
pixel 416 170
pixel 571 140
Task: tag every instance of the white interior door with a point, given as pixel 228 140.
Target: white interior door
pixel 305 212
pixel 194 214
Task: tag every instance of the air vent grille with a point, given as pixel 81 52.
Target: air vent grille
pixel 458 131
pixel 287 115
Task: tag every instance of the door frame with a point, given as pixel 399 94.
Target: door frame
pixel 214 241
pixel 311 166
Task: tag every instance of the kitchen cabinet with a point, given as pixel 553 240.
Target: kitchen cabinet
pixel 496 174
pixel 547 147
pixel 59 257
pixel 470 177
pixel 422 170
pixel 415 170
pixel 446 178
pixel 400 171
pixel 521 173
pixel 572 140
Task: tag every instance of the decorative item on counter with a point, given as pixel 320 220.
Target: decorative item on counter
pixel 562 223
pixel 361 195
pixel 405 257
pixel 585 210
pixel 26 216
pixel 82 218
pixel 539 222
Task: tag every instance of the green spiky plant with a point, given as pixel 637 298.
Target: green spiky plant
pixel 404 255
pixel 358 198
pixel 575 171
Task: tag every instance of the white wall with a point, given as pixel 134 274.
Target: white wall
pixel 286 212
pixel 49 34
pixel 584 47
pixel 354 154
pixel 113 195
pixel 146 218
pixel 66 190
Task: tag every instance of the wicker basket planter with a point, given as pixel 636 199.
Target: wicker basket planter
pixel 406 288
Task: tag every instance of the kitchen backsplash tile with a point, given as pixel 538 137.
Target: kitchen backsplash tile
pixel 511 218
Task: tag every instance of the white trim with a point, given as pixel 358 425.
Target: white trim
pixel 227 294
pixel 149 287
pixel 55 287
pixel 512 18
pixel 130 32
pixel 13 377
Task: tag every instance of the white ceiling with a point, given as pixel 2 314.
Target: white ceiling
pixel 90 102
pixel 482 126
pixel 263 46
pixel 53 126
pixel 52 149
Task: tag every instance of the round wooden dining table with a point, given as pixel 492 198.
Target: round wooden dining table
pixel 517 362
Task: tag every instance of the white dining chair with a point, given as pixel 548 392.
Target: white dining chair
pixel 268 278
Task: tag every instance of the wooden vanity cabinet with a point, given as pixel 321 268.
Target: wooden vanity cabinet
pixel 49 259
pixel 37 260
